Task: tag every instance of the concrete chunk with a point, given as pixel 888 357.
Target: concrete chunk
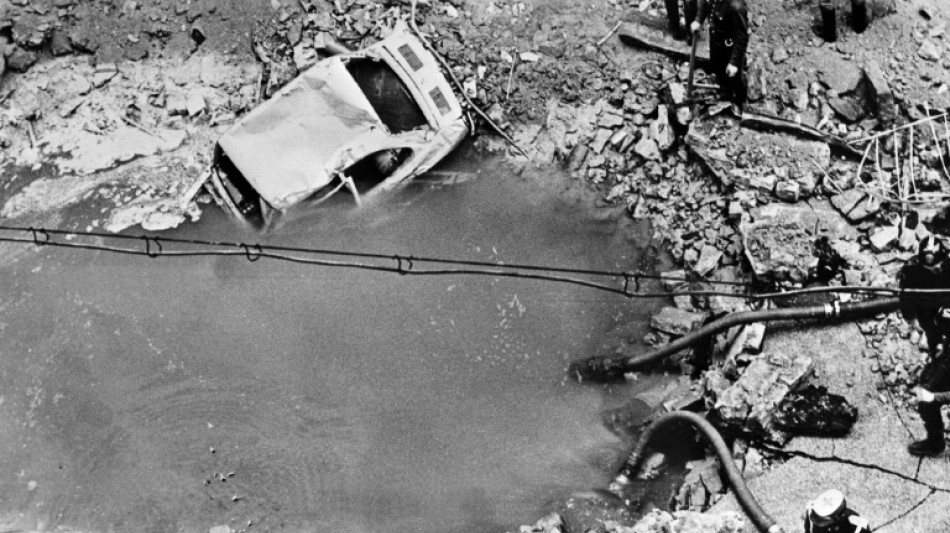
pixel 677 321
pixel 856 205
pixel 709 258
pixel 748 405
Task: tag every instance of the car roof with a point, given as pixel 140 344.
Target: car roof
pixel 283 147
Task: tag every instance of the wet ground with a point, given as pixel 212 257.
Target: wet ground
pixel 176 394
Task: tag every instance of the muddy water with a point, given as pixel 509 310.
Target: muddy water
pixel 178 394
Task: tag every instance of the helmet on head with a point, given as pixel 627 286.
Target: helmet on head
pixel 827 506
pixel 930 250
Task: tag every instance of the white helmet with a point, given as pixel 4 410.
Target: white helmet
pixel 827 504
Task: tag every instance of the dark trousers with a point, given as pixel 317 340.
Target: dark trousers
pixel 935 377
pixel 860 17
pixel 673 18
pixel 720 54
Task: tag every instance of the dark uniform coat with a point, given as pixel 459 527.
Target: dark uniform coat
pixel 728 42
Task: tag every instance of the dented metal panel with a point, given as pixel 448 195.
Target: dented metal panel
pixel 322 123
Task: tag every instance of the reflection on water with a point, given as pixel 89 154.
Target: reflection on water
pixel 178 394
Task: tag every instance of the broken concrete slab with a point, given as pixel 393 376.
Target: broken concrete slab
pixel 851 109
pixel 871 466
pixel 883 238
pixel 709 257
pixel 92 153
pixel 838 75
pixel 778 239
pixel 856 204
pixel 677 321
pixel 749 405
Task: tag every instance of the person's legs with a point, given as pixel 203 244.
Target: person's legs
pixel 935 377
pixel 860 15
pixel 829 20
pixel 719 55
pixel 673 18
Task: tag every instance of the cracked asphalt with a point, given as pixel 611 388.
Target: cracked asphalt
pixel 895 491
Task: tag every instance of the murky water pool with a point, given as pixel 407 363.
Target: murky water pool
pixel 177 394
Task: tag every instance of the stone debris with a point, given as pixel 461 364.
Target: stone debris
pixel 749 405
pixel 676 321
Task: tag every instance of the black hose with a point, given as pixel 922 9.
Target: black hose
pixel 605 368
pixel 763 521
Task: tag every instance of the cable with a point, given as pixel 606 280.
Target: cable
pixel 406 265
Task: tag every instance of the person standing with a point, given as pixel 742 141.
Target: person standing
pixel 829 513
pixel 929 270
pixel 728 42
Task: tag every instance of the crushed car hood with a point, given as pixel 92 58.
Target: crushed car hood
pixel 283 146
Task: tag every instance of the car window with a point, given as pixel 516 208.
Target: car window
pixel 388 95
pixel 376 167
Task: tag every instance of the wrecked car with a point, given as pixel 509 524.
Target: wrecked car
pixel 364 122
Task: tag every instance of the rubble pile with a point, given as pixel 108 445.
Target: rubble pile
pixel 657 521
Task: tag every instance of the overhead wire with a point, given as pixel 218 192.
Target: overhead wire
pixel 626 283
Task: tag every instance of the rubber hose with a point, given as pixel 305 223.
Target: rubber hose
pixel 602 368
pixel 763 521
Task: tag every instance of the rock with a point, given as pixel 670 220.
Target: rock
pixel 764 183
pixel 749 405
pixel 779 55
pixel 59 43
pixel 196 104
pixel 856 205
pixel 657 521
pixel 677 321
pixel 647 149
pixel 879 92
pixel 84 40
pixel 754 338
pixel 883 238
pixel 575 159
pixel 778 239
pixel 850 109
pixel 176 104
pixel 788 191
pixel 709 257
pixel 529 57
pixel 21 60
pixel 801 100
pixel 929 51
pixel 660 130
pixel 839 75
pixel 609 119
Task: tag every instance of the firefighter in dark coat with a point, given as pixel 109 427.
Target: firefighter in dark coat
pixel 829 513
pixel 929 270
pixel 728 41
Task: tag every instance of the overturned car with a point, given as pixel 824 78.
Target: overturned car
pixel 363 121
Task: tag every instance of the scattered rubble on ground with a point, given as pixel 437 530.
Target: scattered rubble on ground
pixel 126 115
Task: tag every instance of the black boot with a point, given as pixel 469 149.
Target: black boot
pixel 926 447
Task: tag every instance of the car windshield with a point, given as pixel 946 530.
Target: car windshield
pixel 388 95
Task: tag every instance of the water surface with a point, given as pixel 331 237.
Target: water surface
pixel 176 394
